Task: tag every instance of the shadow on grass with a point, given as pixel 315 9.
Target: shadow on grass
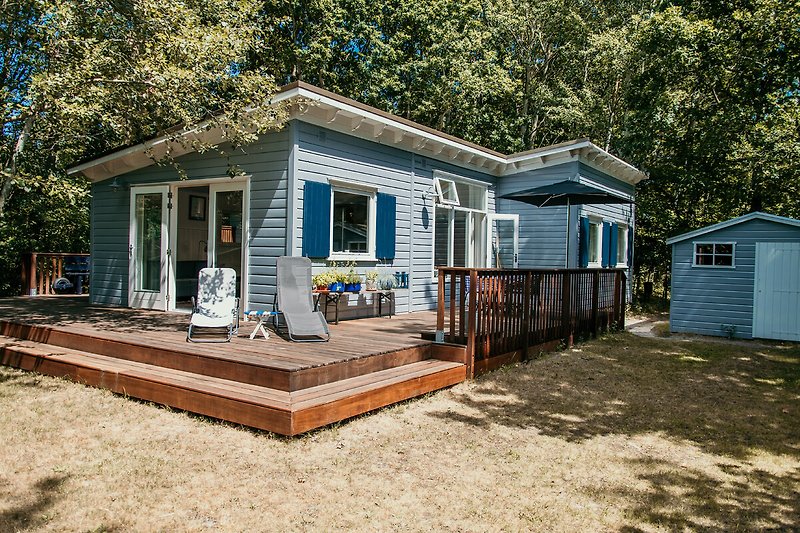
pixel 681 499
pixel 31 514
pixel 732 400
pixel 728 399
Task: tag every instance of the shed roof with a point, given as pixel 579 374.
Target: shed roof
pixel 335 112
pixel 733 222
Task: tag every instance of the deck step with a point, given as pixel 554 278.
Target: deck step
pixel 280 411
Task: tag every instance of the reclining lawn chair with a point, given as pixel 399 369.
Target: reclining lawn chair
pixel 295 304
pixel 216 305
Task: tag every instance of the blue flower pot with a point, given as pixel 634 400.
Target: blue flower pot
pixel 336 287
pixel 352 287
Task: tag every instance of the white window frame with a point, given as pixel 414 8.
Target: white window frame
pixel 440 196
pixel 732 244
pixel 622 239
pixel 370 193
pixel 477 221
pixel 598 246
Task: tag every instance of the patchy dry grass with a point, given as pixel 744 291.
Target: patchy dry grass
pixel 623 433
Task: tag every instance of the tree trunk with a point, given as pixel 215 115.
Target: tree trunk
pixel 5 190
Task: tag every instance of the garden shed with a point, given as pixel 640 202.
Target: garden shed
pixel 739 278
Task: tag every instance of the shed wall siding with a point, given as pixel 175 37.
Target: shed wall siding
pixel 703 299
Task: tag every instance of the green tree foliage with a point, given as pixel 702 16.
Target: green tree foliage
pixel 82 78
pixel 703 96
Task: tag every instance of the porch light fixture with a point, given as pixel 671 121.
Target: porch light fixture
pixel 115 185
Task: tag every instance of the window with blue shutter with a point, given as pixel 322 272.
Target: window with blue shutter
pixel 606 253
pixel 316 219
pixel 583 242
pixel 613 245
pixel 386 226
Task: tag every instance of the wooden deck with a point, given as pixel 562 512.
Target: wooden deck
pixel 275 385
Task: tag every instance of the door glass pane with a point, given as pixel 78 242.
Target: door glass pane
pixel 148 242
pixel 503 244
pixel 228 228
pixel 442 232
pixel 460 244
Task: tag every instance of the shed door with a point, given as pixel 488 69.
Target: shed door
pixel 776 309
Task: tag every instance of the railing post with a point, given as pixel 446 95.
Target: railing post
pixel 440 308
pixel 32 275
pixel 566 311
pixel 527 304
pixel 620 287
pixel 595 302
pixel 472 315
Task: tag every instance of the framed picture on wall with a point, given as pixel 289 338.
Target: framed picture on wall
pixel 197 207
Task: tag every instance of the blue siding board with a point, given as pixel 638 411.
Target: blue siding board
pixel 389 169
pixel 266 163
pixel 703 299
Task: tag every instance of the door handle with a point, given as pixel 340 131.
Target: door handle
pixel 130 251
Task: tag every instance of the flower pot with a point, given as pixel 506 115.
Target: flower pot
pixel 336 287
pixel 352 287
pixel 322 287
pixel 372 285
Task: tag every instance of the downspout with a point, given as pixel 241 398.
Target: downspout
pixel 411 232
pixel 291 190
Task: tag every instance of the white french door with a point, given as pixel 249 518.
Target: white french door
pixel 148 268
pixel 228 231
pixel 503 239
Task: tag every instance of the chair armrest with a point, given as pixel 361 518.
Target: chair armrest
pixel 194 305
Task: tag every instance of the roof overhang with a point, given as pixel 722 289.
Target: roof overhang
pixel 328 110
pixel 732 222
pixel 582 150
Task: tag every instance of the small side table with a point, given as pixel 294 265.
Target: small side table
pixel 331 297
pixel 387 296
pixel 262 316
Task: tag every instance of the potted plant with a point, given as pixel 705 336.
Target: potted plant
pixel 337 279
pixel 372 279
pixel 321 281
pixel 387 282
pixel 353 281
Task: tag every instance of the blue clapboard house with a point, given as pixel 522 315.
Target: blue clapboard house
pixel 342 182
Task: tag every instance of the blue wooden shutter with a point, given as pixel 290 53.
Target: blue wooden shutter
pixel 612 245
pixel 583 242
pixel 606 242
pixel 316 219
pixel 386 222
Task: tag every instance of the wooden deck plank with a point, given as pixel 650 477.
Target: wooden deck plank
pixel 369 364
pixel 167 331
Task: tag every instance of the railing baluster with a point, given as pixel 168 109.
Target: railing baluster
pixel 505 312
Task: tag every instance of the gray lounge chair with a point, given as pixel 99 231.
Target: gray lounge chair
pixel 295 303
pixel 216 305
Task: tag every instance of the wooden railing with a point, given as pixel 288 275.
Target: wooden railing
pixel 502 315
pixel 40 270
